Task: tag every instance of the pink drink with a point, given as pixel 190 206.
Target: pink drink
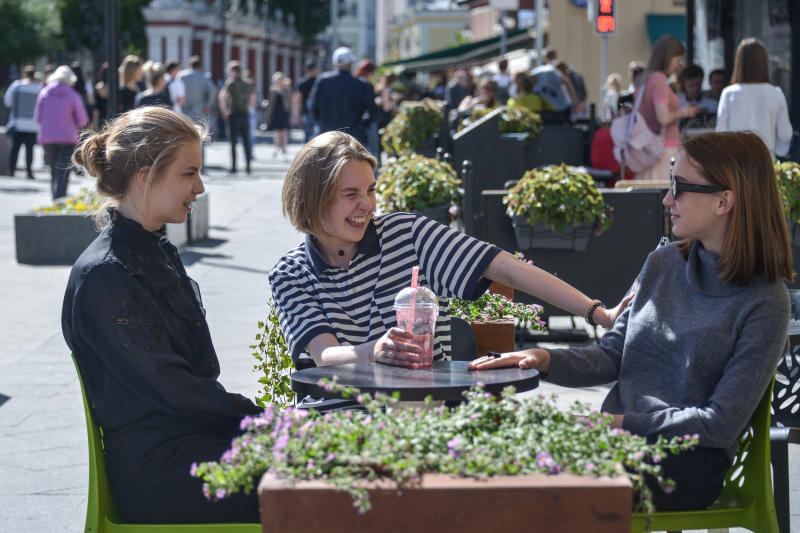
pixel 423 327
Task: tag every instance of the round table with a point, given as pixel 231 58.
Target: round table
pixel 445 380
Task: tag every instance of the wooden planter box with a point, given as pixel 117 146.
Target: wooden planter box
pixel 493 336
pixel 59 238
pixel 533 503
pixel 540 236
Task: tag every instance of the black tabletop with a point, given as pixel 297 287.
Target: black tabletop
pixel 445 380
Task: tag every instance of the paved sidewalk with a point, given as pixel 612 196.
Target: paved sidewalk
pixel 43 450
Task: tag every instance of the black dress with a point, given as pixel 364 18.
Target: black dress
pixel 135 323
pixel 278 115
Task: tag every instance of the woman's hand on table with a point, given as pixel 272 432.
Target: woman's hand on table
pixel 535 358
pixel 396 348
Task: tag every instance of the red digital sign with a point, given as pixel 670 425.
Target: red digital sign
pixel 605 20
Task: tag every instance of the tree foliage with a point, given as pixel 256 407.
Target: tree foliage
pixel 28 28
pixel 311 17
pixel 83 26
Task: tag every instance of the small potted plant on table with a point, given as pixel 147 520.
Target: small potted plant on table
pixel 415 183
pixel 493 318
pixel 556 207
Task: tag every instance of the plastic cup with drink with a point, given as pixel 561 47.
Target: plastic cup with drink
pixel 416 308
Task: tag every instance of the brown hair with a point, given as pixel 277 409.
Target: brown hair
pixel 145 136
pixel 310 184
pixel 751 64
pixel 664 49
pixel 757 241
pixel 128 68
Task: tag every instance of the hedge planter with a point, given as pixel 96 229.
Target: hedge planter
pixel 540 236
pixel 440 214
pixel 46 238
pixel 534 503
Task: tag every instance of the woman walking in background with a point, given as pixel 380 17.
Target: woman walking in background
pixel 60 114
pixel 660 106
pixel 278 119
pixel 130 73
pixel 752 103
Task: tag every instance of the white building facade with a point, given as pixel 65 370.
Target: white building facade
pixel 179 29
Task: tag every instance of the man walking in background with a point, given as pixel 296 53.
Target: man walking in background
pixel 339 100
pixel 199 91
pixel 305 86
pixel 20 98
pixel 233 101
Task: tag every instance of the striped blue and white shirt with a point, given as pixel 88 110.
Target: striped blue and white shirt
pixel 355 303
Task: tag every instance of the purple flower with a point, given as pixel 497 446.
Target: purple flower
pixel 245 423
pixel 657 458
pixel 206 491
pixel 193 470
pixel 330 457
pixel 227 457
pixel 453 447
pixel 638 456
pixel 590 466
pixel 220 494
pixel 282 441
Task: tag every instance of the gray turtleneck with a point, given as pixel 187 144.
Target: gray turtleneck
pixel 691 353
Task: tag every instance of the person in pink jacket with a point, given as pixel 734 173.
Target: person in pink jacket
pixel 60 114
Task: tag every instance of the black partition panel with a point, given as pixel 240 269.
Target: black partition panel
pixel 611 261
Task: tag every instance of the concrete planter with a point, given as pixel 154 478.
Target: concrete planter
pixel 540 236
pixel 493 336
pixel 59 238
pixel 534 503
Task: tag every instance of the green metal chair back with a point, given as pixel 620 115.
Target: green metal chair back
pixel 102 515
pixel 746 499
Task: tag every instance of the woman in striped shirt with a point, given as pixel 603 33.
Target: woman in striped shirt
pixel 335 292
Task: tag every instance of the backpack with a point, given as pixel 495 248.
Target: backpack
pixel 635 145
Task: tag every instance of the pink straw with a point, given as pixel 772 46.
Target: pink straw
pixel 414 276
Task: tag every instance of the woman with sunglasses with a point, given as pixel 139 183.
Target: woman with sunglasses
pixel 697 347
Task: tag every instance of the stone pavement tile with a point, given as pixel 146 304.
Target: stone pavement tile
pixel 46 513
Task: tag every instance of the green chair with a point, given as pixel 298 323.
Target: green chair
pixel 102 515
pixel 746 498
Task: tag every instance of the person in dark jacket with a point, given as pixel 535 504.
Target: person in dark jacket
pixel 339 101
pixel 136 325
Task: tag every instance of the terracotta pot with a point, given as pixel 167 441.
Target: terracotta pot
pixel 443 503
pixel 493 336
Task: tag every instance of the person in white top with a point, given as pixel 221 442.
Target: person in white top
pixel 176 88
pixel 752 103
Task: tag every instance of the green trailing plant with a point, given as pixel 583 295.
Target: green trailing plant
pixel 497 307
pixel 414 124
pixel 484 436
pixel 274 364
pixel 413 182
pixel 560 197
pixel 788 175
pixel 513 119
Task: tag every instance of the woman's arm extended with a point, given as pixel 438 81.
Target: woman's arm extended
pixel 507 269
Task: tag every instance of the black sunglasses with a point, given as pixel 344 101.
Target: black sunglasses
pixel 677 187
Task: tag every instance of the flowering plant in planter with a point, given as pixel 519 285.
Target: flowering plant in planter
pixel 560 197
pixel 85 202
pixel 788 176
pixel 481 437
pixel 414 124
pixel 413 182
pixel 497 307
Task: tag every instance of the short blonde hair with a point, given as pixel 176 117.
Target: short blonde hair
pixel 311 182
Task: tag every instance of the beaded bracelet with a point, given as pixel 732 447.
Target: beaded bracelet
pixel 590 309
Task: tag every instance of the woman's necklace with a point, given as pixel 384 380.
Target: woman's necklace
pixel 342 256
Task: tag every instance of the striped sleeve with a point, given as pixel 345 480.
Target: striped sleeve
pixel 453 262
pixel 299 312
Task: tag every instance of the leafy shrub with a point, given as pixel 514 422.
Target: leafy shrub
pixel 788 175
pixel 274 362
pixel 560 197
pixel 414 124
pixel 413 182
pixel 513 119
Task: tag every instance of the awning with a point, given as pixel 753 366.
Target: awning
pixel 466 53
pixel 659 24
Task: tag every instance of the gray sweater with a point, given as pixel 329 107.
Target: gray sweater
pixel 691 354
